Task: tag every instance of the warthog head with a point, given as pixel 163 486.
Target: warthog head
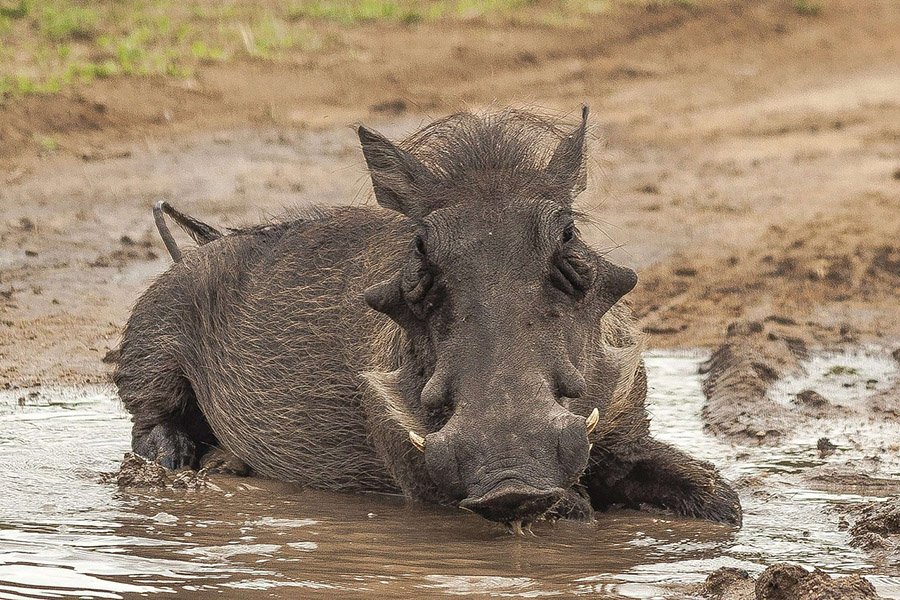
pixel 500 301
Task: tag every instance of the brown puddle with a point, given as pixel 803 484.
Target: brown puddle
pixel 65 534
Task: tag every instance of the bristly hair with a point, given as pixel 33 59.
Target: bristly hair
pixel 278 224
pixel 517 143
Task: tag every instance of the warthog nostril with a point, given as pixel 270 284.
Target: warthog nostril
pixel 417 440
pixel 591 421
pixel 513 503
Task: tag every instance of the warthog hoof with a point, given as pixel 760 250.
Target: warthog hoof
pixel 167 445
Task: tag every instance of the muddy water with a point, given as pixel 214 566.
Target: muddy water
pixel 63 533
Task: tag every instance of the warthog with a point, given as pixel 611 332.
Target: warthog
pixel 463 347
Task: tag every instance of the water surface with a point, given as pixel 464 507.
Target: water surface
pixel 65 534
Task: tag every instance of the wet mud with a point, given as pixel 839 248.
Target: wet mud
pixel 765 387
pixel 784 581
pixel 739 374
pixel 876 528
pixel 138 472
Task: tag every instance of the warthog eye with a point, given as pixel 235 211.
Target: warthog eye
pixel 419 281
pixel 571 272
pixel 420 245
pixel 568 233
pixel 417 289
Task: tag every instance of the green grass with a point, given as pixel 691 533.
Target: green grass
pixel 268 35
pixel 62 22
pixel 15 11
pixel 345 13
pixel 809 8
pixel 49 45
pixel 839 370
pixel 204 53
pixel 352 12
pixel 47 145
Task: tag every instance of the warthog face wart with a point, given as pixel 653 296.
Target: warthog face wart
pixel 499 298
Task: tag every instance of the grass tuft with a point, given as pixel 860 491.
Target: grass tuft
pixel 839 370
pixel 345 13
pixel 47 145
pixel 15 11
pixel 406 12
pixel 808 8
pixel 205 53
pixel 73 22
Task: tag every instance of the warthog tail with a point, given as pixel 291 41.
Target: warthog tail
pixel 199 231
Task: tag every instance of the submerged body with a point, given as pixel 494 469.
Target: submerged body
pixel 505 357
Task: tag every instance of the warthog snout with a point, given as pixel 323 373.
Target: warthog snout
pixel 510 466
pixel 513 502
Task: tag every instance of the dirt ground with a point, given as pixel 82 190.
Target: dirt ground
pixel 747 164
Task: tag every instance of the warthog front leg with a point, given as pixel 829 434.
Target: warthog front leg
pixel 655 473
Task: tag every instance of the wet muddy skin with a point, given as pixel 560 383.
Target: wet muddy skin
pixel 64 529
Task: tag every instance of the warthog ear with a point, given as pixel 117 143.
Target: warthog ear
pixel 568 164
pixel 397 176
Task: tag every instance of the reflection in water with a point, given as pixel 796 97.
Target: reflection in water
pixel 63 532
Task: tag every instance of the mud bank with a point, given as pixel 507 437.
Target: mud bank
pixel 745 162
pixel 768 386
pixel 764 382
pixel 739 374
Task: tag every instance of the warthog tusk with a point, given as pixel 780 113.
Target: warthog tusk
pixel 592 420
pixel 515 527
pixel 417 440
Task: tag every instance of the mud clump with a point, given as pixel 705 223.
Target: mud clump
pixel 728 583
pixel 792 582
pixel 395 107
pixel 825 447
pixel 885 403
pixel 130 250
pixel 866 476
pixel 138 472
pixel 811 399
pixel 877 528
pixel 780 582
pixel 885 263
pixel 785 581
